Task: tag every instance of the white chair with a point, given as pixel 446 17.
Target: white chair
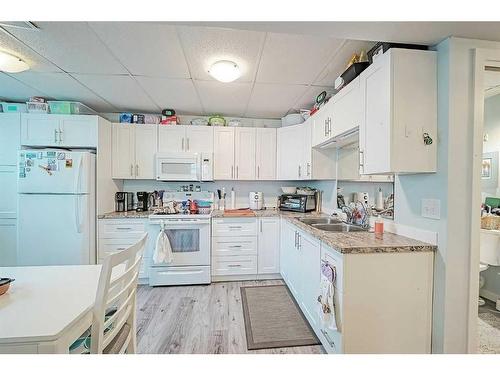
pixel 115 332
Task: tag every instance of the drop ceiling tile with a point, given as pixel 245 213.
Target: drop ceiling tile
pixel 273 100
pixel 13 90
pixel 339 62
pixel 229 99
pixel 307 100
pixel 295 59
pixel 10 44
pixel 73 46
pixel 61 86
pixel 178 94
pixel 145 48
pixel 205 45
pixel 121 91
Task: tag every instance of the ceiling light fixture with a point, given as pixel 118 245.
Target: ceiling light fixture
pixel 225 71
pixel 12 64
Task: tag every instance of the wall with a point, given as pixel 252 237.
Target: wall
pixel 452 185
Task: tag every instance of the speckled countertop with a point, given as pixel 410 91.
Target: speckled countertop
pixel 363 242
pixel 343 242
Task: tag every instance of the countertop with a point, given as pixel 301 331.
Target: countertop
pixel 343 242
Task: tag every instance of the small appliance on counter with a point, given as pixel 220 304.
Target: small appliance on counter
pixel 362 197
pixel 297 202
pixel 256 200
pixel 142 201
pixel 124 201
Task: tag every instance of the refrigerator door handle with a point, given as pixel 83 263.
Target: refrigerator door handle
pixel 78 223
pixel 78 177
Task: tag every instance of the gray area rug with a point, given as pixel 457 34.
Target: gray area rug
pixel 489 333
pixel 273 320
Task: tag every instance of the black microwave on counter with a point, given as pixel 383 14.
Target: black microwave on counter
pixel 297 202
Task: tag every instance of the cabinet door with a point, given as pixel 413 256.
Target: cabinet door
pixel 289 155
pixel 269 245
pixel 8 242
pixel 310 265
pixel 223 153
pixel 347 106
pixel 145 150
pixel 305 170
pixel 171 138
pixel 78 131
pixel 375 132
pixel 245 153
pixel 265 154
pixel 10 137
pixel 287 243
pixel 123 150
pixel 8 198
pixel 319 122
pixel 39 130
pixel 200 139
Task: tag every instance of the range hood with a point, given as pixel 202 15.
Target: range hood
pixel 346 138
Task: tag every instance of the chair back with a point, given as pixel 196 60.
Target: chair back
pixel 115 303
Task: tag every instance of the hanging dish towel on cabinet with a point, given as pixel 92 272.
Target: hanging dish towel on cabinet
pixel 326 307
pixel 163 249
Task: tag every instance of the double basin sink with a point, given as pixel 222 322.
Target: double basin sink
pixel 329 224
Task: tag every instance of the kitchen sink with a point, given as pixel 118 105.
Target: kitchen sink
pixel 339 227
pixel 320 220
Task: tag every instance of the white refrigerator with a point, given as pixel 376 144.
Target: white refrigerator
pixel 56 207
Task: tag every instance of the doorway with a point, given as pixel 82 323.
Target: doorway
pixel 484 318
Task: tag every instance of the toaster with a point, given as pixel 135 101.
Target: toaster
pixel 297 202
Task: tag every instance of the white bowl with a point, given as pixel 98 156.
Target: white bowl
pixel 289 189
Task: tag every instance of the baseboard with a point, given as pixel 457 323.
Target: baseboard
pixel 253 277
pixel 489 295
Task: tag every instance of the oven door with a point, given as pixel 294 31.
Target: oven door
pixel 190 243
pixel 178 167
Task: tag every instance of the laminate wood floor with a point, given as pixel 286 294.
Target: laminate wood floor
pixel 201 319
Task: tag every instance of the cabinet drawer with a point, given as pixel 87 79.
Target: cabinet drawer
pixel 179 275
pixel 223 246
pixel 114 245
pixel 121 228
pixel 234 265
pixel 234 227
pixel 334 259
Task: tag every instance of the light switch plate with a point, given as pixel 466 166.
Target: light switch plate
pixel 431 208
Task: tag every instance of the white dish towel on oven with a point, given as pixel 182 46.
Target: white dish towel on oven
pixel 163 249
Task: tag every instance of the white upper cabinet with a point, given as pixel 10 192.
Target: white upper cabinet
pixel 347 109
pixel 123 151
pixel 245 153
pixel 10 132
pixel 341 114
pixel 348 166
pixel 289 151
pixel 297 160
pixel 265 154
pixel 58 130
pixel 187 138
pixel 224 153
pixel 133 151
pixel 145 150
pixel 171 138
pixel 399 110
pixel 200 139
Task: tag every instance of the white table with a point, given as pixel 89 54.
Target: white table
pixel 47 308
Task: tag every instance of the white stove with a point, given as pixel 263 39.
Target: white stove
pixel 189 237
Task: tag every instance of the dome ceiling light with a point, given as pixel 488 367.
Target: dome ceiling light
pixel 225 71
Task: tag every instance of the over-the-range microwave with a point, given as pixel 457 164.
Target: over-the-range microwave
pixel 184 166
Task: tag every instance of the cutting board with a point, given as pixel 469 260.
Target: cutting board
pixel 239 213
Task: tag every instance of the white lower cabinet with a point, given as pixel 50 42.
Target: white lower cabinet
pixel 115 235
pixel 383 301
pixel 245 248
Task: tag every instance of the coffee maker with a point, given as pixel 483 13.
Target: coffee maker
pixel 142 201
pixel 124 201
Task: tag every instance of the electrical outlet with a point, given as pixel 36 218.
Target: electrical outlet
pixel 431 208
